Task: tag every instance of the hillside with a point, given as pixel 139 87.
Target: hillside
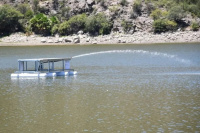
pixel 66 17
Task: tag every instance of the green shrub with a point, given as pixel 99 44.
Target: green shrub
pixel 41 24
pixel 77 23
pixel 126 25
pixel 194 9
pixel 171 25
pixel 158 14
pixel 137 7
pixel 64 11
pixel 35 6
pixel 195 26
pixel 29 14
pixel 9 19
pixel 73 25
pixel 150 7
pixel 176 13
pixel 54 29
pixel 25 10
pixel 124 2
pixel 163 25
pixel 54 20
pixel 98 23
pixel 113 9
pixel 64 28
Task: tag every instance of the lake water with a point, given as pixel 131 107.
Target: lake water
pixel 119 88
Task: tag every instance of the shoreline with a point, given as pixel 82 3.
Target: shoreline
pixel 138 38
pixel 66 44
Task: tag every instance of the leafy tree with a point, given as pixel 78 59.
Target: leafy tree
pixel 163 25
pixel 9 19
pixel 194 9
pixel 126 25
pixel 41 24
pixel 73 25
pixel 64 28
pixel 158 14
pixel 54 20
pixel 98 23
pixel 77 23
pixel 29 14
pixel 176 14
pixel 195 26
pixel 54 29
pixel 25 10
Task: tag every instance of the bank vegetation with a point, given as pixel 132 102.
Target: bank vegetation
pixel 35 17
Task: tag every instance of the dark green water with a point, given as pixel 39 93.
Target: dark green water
pixel 121 88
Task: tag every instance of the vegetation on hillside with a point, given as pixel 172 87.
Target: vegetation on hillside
pixel 9 19
pixel 168 15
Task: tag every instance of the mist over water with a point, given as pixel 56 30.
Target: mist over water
pixel 134 88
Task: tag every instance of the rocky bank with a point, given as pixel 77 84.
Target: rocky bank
pixel 141 31
pixel 114 38
pixel 114 10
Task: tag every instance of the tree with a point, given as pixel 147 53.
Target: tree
pixel 77 23
pixel 158 14
pixel 176 14
pixel 73 25
pixel 41 24
pixel 195 26
pixel 126 25
pixel 25 10
pixel 98 23
pixel 163 25
pixel 9 19
pixel 64 28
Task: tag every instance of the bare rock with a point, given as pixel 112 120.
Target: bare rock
pixel 68 40
pixel 43 41
pixel 90 2
pixel 80 32
pixel 119 40
pixel 45 6
pixel 94 42
pixel 82 4
pixel 88 39
pixel 123 41
pixel 60 40
pixel 50 41
pixel 76 39
pixel 56 41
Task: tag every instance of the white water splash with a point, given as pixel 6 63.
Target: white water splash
pixel 136 51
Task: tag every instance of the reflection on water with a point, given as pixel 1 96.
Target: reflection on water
pixel 113 92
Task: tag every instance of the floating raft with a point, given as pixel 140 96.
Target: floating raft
pixel 44 67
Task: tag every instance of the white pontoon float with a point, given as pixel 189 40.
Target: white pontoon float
pixel 44 67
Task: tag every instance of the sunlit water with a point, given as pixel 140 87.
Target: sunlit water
pixel 119 88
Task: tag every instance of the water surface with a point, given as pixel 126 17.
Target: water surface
pixel 119 88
